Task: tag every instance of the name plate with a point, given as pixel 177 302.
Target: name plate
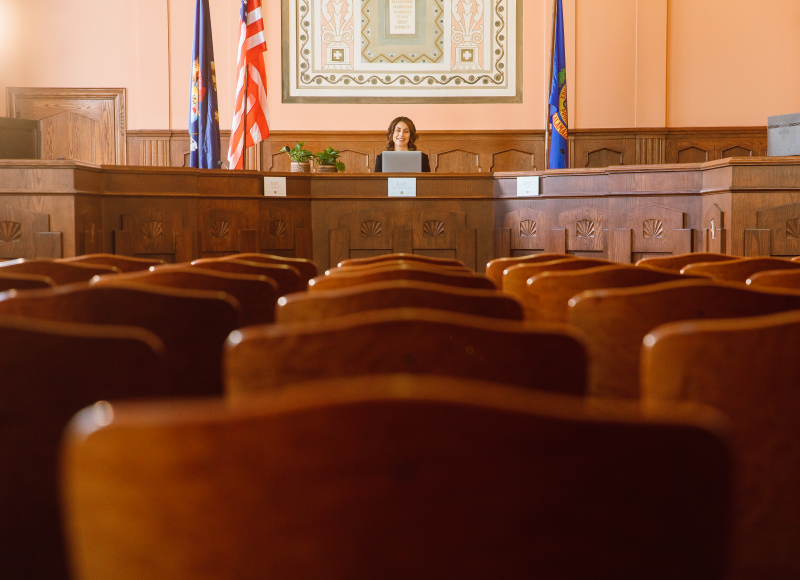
pixel 275 186
pixel 527 185
pixel 402 187
pixel 403 17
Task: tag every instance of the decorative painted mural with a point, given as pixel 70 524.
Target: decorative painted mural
pixel 401 50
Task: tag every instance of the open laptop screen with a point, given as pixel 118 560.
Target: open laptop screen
pixel 401 161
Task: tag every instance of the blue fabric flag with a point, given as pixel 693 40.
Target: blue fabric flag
pixel 203 112
pixel 559 150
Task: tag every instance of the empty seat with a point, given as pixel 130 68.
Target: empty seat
pixel 9 281
pixel 192 324
pixel 547 294
pixel 421 273
pixel 678 262
pixel 309 306
pixel 775 279
pixel 546 357
pixel 121 263
pixel 740 269
pixel 59 272
pixel 515 278
pixel 400 256
pixel 495 268
pixel 257 295
pixel 617 320
pixel 288 278
pixel 396 477
pixel 49 371
pixel 747 368
pixel 307 268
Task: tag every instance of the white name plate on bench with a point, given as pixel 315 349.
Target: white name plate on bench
pixel 527 185
pixel 402 187
pixel 275 186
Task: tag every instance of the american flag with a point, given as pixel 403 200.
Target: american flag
pixel 252 45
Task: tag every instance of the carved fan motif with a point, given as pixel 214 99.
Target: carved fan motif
pixel 433 228
pixel 277 227
pixel 585 229
pixel 370 228
pixel 152 229
pixel 714 230
pixel 793 229
pixel 219 229
pixel 653 229
pixel 527 229
pixel 10 231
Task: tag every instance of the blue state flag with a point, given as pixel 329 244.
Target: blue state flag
pixel 203 112
pixel 559 150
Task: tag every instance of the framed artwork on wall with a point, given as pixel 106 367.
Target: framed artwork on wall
pixel 422 51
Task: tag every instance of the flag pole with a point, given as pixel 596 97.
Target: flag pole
pixel 549 88
pixel 244 118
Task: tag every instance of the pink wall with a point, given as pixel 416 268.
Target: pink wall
pixel 631 63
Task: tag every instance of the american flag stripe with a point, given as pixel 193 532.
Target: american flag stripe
pixel 252 45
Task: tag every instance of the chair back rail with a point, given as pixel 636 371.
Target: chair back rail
pixel 10 281
pixel 789 279
pixel 121 263
pixel 288 278
pixel 515 278
pixel 307 268
pixel 400 256
pixel 495 268
pixel 740 269
pixel 678 262
pixel 394 263
pixel 60 272
pixel 419 273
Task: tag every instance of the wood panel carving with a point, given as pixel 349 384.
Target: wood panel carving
pixel 436 229
pixel 692 155
pixel 736 152
pixel 656 229
pixel 150 231
pixel 604 158
pixel 277 228
pixel 26 234
pixel 784 224
pixel 99 112
pixel 584 227
pixel 528 228
pixel 456 161
pixel 220 229
pixel 370 229
pixel 714 230
pixel 650 150
pixel 513 160
pixel 354 161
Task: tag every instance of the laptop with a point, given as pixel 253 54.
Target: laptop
pixel 401 161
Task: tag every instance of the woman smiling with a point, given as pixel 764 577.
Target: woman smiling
pixel 402 136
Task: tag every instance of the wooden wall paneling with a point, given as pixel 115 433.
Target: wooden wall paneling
pixel 783 222
pixel 403 241
pixel 757 243
pixel 89 234
pixel 650 149
pixel 355 161
pixel 604 158
pixel 66 135
pixel 622 247
pixel 123 243
pixel 370 229
pixel 501 243
pixel 185 246
pixel 220 222
pixel 557 241
pixel 528 227
pixel 654 227
pixel 279 225
pixel 513 160
pixel 155 224
pixel 303 244
pixel 435 229
pixel 19 228
pixel 106 107
pixel 466 247
pixel 585 226
pixel 248 242
pixel 150 148
pixel 49 245
pixel 339 247
pixel 714 229
pixel 455 161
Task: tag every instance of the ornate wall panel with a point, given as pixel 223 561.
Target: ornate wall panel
pixel 402 50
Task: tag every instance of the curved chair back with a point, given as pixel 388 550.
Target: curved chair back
pixel 789 279
pixel 748 369
pixel 739 270
pixel 616 321
pixel 495 268
pixel 396 477
pixel 192 324
pixel 121 263
pixel 515 278
pixel 394 264
pixel 421 273
pixel 400 256
pixel 678 262
pixel 257 295
pixel 51 370
pixel 310 306
pixel 60 272
pixel 288 278
pixel 9 281
pixel 307 268
pixel 548 357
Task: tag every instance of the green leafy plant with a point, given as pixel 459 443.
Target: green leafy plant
pixel 329 157
pixel 297 153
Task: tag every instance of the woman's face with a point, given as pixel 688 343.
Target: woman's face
pixel 401 136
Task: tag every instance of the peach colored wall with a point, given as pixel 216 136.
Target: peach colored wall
pixel 630 63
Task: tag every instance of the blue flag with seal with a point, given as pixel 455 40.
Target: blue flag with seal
pixel 559 149
pixel 203 112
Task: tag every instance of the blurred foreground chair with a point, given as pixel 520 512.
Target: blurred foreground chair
pixel 397 477
pixel 515 278
pixel 60 272
pixel 51 370
pixel 310 306
pixel 678 262
pixel 307 268
pixel 419 273
pixel 495 268
pixel 394 264
pixel 288 278
pixel 121 263
pixel 788 279
pixel 748 369
pixel 9 281
pixel 740 269
pixel 400 256
pixel 547 357
pixel 615 321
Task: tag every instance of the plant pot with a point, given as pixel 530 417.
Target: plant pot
pixel 301 167
pixel 326 169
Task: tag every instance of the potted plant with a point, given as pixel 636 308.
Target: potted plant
pixel 328 161
pixel 301 158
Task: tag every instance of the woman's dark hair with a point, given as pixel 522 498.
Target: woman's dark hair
pixel 411 129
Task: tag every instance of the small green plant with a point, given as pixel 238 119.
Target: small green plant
pixel 297 153
pixel 329 157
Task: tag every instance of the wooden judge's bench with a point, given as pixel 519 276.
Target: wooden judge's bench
pixel 744 206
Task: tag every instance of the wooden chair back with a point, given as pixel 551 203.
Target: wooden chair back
pixel 546 357
pixel 397 477
pixel 616 321
pixel 740 269
pixel 789 279
pixel 192 324
pixel 121 263
pixel 59 272
pixel 51 370
pixel 288 278
pixel 400 256
pixel 394 264
pixel 748 369
pixel 418 273
pixel 257 295
pixel 515 278
pixel 547 294
pixel 495 268
pixel 307 268
pixel 678 262
pixel 9 281
pixel 312 306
